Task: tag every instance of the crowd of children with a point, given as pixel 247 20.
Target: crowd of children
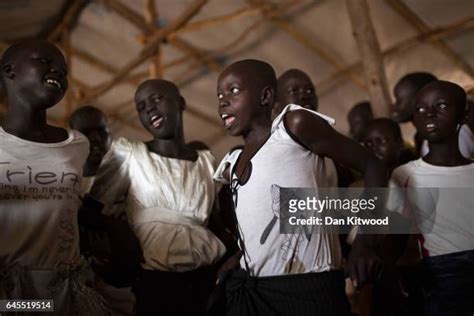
pixel 107 226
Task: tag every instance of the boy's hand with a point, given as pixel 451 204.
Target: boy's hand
pixel 364 265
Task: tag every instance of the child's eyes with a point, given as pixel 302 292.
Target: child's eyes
pixel 156 99
pixel 420 110
pixel 220 96
pixel 235 90
pixel 442 106
pixel 43 60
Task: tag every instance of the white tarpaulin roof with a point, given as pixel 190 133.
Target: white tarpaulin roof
pixel 315 36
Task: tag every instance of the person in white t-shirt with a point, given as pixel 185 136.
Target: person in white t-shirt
pixel 439 190
pixel 40 178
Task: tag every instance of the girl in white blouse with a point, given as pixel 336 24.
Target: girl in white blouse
pixel 170 197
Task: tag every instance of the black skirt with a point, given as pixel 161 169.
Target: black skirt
pixel 316 294
pixel 174 293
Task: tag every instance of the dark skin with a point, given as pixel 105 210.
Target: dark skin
pixel 385 145
pixel 124 245
pixel 160 107
pixel 253 123
pixel 439 112
pixel 249 101
pixel 34 81
pixel 93 124
pixel 403 108
pixel 295 86
pixel 358 120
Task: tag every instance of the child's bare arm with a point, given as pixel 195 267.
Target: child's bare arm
pixel 319 137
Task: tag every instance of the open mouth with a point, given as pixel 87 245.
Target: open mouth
pixel 228 119
pixel 430 127
pixel 55 83
pixel 156 121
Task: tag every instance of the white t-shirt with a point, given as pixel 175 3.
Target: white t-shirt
pixel 280 162
pixel 168 204
pixel 466 143
pixel 40 185
pixel 39 236
pixel 440 199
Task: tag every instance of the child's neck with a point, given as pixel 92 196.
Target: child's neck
pixel 25 123
pixel 258 134
pixel 172 148
pixel 446 153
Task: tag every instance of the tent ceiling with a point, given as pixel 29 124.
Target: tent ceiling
pixel 315 36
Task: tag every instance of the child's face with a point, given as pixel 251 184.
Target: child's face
pixel 403 107
pixel 39 74
pixel 298 89
pixel 94 127
pixel 159 109
pixel 239 100
pixel 437 113
pixel 357 125
pixel 383 143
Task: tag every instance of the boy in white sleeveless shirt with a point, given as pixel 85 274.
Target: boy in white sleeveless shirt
pixel 282 274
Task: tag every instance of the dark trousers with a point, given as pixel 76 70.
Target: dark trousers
pixel 173 293
pixel 449 284
pixel 316 294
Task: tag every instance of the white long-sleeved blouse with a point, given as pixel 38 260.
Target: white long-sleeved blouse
pixel 168 204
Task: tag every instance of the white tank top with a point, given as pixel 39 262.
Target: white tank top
pixel 280 162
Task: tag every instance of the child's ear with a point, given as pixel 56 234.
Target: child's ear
pixel 267 97
pixel 182 103
pixel 8 71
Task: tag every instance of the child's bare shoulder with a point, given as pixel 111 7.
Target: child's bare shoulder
pixel 305 126
pixel 301 118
